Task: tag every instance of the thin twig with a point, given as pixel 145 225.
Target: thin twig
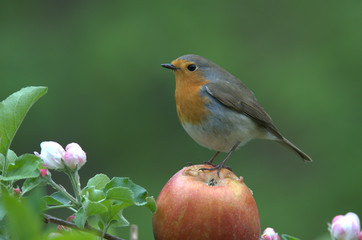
pixel 63 191
pixel 87 228
pixel 134 232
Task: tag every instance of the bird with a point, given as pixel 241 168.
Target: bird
pixel 218 110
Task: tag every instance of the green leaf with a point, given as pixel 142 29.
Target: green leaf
pixel 25 166
pixel 56 199
pixel 139 193
pixel 114 212
pixel 2 211
pixel 99 181
pixel 288 237
pixel 115 189
pixel 100 224
pixel 24 222
pixel 95 187
pixel 10 158
pixel 118 206
pixel 74 235
pixel 119 221
pixel 94 208
pixel 2 161
pixel 90 208
pixel 114 215
pixel 95 194
pixel 80 218
pixel 13 111
pixel 121 193
pixel 31 183
pixel 151 204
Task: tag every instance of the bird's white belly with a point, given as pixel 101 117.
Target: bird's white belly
pixel 222 132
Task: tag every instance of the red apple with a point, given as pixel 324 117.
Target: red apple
pixel 197 205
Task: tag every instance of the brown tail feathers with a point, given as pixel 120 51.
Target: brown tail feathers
pixel 290 145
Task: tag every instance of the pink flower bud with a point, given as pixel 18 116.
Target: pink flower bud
pixel 17 191
pixel 43 172
pixel 345 227
pixel 71 218
pixel 52 154
pixel 360 236
pixel 61 228
pixel 74 156
pixel 269 234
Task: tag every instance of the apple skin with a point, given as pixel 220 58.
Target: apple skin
pixel 197 205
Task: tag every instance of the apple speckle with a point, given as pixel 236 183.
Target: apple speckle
pixel 212 182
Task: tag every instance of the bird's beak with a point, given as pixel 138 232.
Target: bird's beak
pixel 169 66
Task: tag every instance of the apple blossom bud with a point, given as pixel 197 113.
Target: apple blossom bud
pixel 345 227
pixel 52 154
pixel 269 234
pixel 43 172
pixel 71 218
pixel 74 156
pixel 17 191
pixel 61 228
pixel 360 236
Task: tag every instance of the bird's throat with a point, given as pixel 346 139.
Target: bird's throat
pixel 190 105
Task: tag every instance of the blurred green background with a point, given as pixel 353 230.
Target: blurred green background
pixel 107 91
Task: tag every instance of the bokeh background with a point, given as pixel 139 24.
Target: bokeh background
pixel 107 91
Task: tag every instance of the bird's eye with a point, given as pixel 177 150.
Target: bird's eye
pixel 191 67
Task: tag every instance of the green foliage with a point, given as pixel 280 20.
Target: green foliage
pixel 99 181
pixel 31 183
pixel 106 199
pixel 288 237
pixel 17 218
pixel 56 199
pixel 102 200
pixel 125 190
pixel 73 236
pixel 12 113
pixel 25 166
pixel 22 221
pixel 11 157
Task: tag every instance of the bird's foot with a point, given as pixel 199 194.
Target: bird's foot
pixel 218 167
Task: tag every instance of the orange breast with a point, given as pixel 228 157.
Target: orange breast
pixel 190 105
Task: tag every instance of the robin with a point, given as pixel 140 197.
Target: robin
pixel 218 111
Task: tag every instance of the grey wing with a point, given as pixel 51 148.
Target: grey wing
pixel 238 97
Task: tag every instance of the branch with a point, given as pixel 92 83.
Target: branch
pixel 87 228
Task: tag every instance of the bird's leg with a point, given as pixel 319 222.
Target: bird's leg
pixel 221 165
pixel 212 159
pixel 208 162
